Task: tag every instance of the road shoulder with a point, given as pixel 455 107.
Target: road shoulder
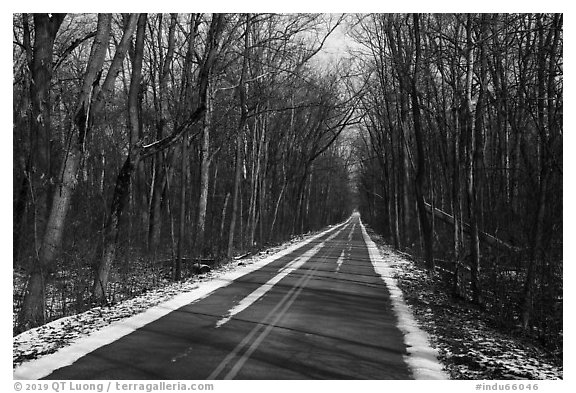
pixel 422 357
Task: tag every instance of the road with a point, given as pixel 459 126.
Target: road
pixel 318 312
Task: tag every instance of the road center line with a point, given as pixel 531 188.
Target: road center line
pixel 263 328
pixel 340 261
pixel 257 328
pixel 351 232
pixel 341 258
pixel 263 289
pixel 240 363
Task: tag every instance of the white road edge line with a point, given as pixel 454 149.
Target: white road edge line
pixel 43 366
pixel 422 358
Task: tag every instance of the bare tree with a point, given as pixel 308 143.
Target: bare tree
pixel 33 310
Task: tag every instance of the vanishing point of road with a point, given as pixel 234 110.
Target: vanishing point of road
pixel 317 311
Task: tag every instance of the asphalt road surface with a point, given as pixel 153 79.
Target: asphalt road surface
pixel 319 312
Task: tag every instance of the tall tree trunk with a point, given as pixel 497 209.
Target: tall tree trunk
pixel 33 312
pixel 421 160
pixel 239 137
pixel 457 207
pixel 25 166
pixel 131 163
pixel 204 176
pixel 46 27
pixel 182 220
pixel 258 143
pixel 264 184
pixel 155 220
pixel 236 196
pixel 404 89
pixel 393 177
pixel 135 95
pixel 471 164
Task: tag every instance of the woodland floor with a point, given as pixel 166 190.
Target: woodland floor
pixel 469 347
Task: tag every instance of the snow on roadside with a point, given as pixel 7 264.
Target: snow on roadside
pixel 468 346
pixel 422 358
pixel 61 333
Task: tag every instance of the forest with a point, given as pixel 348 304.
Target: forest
pixel 149 147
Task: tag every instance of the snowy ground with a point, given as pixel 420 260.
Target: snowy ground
pixel 468 347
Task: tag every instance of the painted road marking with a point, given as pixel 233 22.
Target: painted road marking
pixel 262 290
pixel 240 363
pixel 263 328
pixel 346 251
pixel 339 261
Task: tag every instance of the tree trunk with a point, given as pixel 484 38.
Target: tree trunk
pixel 405 164
pixel 456 208
pixel 223 221
pixel 204 176
pixel 46 27
pixel 239 137
pixel 421 160
pixel 112 228
pixel 155 219
pixel 535 255
pixel 19 211
pixel 33 311
pixel 471 163
pixel 182 221
pixel 102 93
pixel 132 161
pixel 235 197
